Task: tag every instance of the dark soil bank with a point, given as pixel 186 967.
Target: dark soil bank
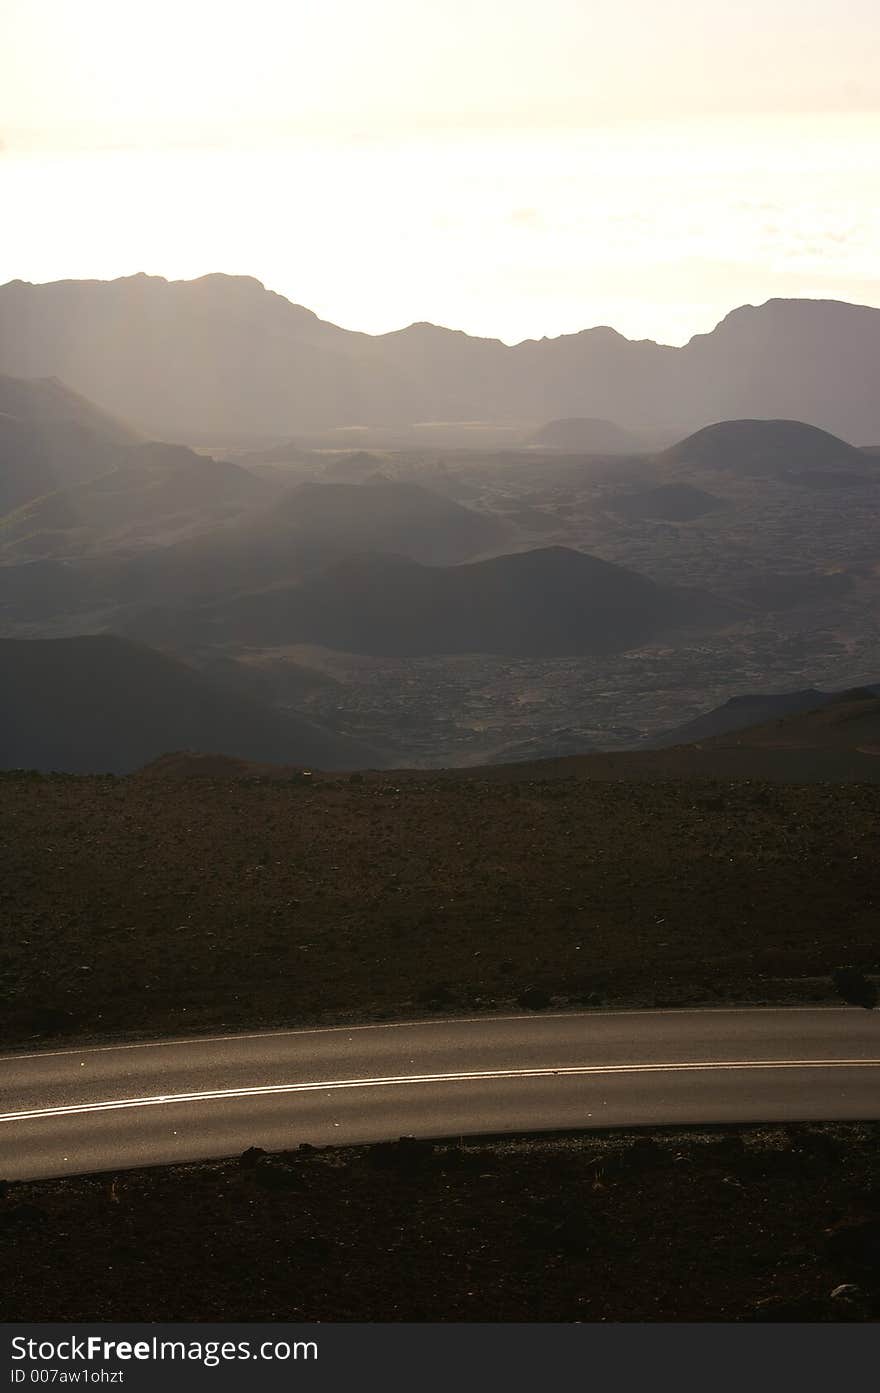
pixel 130 906
pixel 766 1224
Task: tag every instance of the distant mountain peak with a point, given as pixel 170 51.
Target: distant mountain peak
pixel 224 278
pixel 427 332
pixel 783 309
pixel 220 279
pixel 605 331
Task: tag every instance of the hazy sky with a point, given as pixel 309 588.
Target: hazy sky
pixel 510 168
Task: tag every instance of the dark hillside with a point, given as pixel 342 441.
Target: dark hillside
pixel 153 489
pixel 386 515
pixel 760 447
pixel 740 712
pixel 542 602
pixel 50 438
pixel 103 704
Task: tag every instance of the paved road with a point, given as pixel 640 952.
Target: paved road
pixel 71 1111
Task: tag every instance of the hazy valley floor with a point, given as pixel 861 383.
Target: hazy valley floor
pixel 132 906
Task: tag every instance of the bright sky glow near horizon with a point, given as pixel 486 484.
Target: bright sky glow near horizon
pixel 508 168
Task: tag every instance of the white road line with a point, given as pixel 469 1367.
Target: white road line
pixel 436 1021
pixel 332 1085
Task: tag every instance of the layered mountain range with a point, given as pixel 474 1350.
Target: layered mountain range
pixel 303 603
pixel 222 356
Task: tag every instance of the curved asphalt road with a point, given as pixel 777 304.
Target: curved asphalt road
pixel 106 1108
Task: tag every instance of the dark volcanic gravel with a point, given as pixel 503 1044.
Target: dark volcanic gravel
pixel 131 906
pixel 763 1223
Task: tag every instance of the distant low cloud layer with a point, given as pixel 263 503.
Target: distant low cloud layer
pixel 510 169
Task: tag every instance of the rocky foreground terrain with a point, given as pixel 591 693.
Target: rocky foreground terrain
pixel 156 903
pixel 766 1224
